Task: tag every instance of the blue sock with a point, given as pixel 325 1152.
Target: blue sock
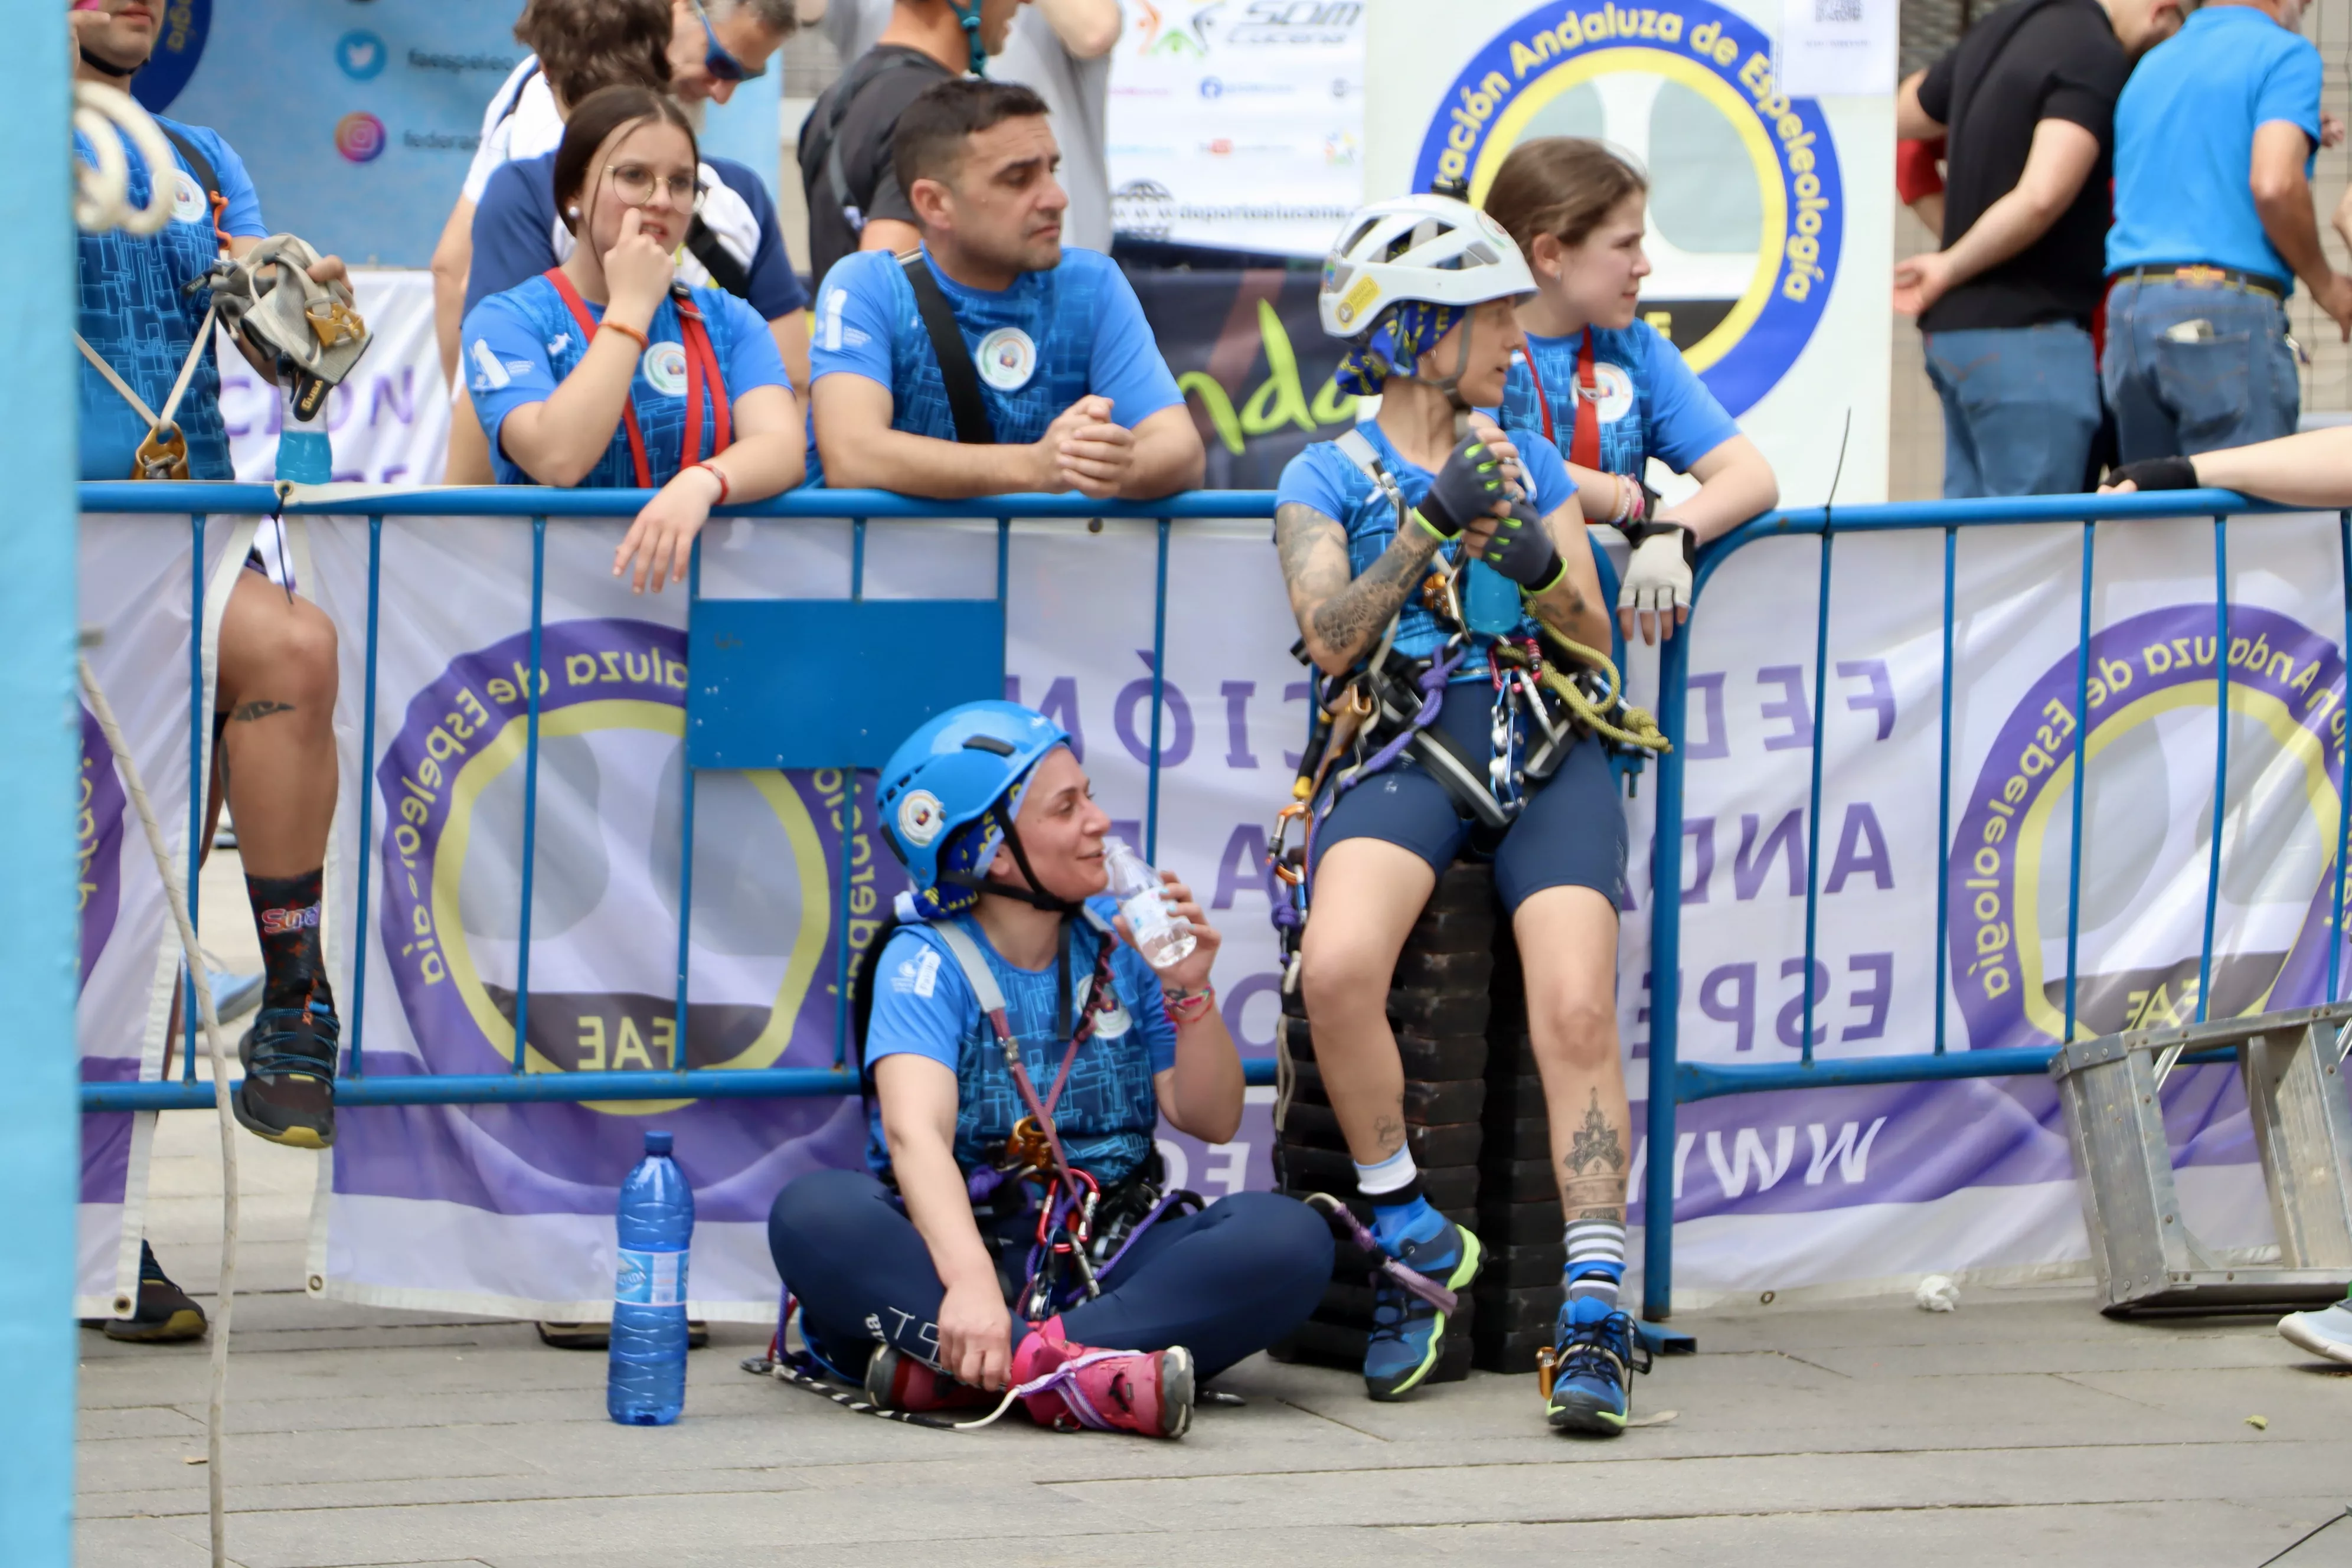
pixel 1395 1226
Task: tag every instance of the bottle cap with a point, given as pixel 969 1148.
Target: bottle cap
pixel 658 1143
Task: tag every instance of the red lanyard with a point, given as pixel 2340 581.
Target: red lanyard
pixel 1584 446
pixel 701 371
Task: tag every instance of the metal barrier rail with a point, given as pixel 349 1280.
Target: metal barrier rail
pixel 536 506
pixel 1674 1083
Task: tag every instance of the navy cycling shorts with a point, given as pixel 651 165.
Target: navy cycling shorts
pixel 1571 834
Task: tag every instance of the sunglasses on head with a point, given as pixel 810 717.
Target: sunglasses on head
pixel 717 59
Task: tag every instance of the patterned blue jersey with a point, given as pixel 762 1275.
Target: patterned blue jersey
pixel 1652 404
pixel 1326 479
pixel 133 311
pixel 520 345
pixel 1039 346
pixel 923 1006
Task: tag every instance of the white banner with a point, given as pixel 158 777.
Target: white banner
pixel 137 596
pixel 508 1209
pixel 388 424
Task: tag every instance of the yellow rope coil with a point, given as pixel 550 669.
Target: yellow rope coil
pixel 1639 728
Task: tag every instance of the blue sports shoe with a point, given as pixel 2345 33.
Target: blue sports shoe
pixel 1408 1331
pixel 1595 1352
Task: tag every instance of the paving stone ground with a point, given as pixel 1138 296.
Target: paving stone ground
pixel 2022 1428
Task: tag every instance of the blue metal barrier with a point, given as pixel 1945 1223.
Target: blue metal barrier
pixel 1675 1083
pixel 724 739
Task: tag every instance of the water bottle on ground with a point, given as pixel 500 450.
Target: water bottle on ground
pixel 645 1385
pixel 1159 936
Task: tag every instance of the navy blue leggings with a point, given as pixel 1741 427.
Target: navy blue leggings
pixel 1224 1283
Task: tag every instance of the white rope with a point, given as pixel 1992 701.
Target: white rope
pixel 167 867
pixel 108 117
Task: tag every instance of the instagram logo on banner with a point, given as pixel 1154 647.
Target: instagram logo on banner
pixel 360 137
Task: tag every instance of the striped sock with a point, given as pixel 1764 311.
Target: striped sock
pixel 1596 1259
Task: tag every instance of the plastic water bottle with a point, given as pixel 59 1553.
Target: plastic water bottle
pixel 305 456
pixel 1163 938
pixel 645 1385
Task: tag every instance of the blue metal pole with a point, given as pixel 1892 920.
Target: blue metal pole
pixel 199 780
pixel 2081 768
pixel 1813 812
pixel 841 967
pixel 1943 794
pixel 529 791
pixel 2343 766
pixel 2220 755
pixel 677 1055
pixel 41 735
pixel 1159 691
pixel 367 798
pixel 1665 983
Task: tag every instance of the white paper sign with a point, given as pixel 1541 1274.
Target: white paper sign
pixel 1836 48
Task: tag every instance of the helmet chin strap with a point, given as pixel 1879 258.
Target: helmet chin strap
pixel 108 67
pixel 1034 895
pixel 1450 385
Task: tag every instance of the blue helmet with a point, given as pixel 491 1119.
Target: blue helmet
pixel 949 792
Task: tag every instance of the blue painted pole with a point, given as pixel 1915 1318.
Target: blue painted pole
pixel 2343 769
pixel 1944 794
pixel 531 790
pixel 1814 807
pixel 2082 772
pixel 1665 983
pixel 2220 810
pixel 1158 695
pixel 366 782
pixel 41 735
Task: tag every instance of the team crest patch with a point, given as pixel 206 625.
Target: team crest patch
pixel 187 197
pixel 665 367
pixel 1612 392
pixel 1007 359
pixel 920 817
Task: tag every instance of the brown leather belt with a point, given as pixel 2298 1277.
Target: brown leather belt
pixel 2196 275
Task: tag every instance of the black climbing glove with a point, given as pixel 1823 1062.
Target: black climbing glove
pixel 2157 474
pixel 1467 487
pixel 1523 550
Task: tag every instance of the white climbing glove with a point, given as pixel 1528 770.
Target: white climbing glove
pixel 1657 586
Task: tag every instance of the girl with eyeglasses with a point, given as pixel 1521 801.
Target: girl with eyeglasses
pixel 604 371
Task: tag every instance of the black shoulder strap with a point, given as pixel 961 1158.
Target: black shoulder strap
pixel 957 373
pixel 704 246
pixel 196 161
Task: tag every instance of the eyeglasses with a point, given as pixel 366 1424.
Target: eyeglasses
pixel 635 183
pixel 717 59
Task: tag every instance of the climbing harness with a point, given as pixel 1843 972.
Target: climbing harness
pixel 1388 709
pixel 704 384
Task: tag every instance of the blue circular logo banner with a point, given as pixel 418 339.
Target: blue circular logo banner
pixel 1747 209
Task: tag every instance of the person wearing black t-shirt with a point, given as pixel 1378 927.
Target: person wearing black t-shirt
pixel 2027 102
pixel 853 200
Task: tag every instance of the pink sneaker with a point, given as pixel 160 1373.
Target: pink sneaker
pixel 1067 1387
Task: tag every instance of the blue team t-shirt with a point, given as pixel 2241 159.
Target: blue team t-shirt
pixel 2184 139
pixel 1652 404
pixel 924 1006
pixel 1051 338
pixel 132 312
pixel 520 345
pixel 1327 479
pixel 515 230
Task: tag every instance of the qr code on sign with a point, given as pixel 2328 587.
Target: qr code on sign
pixel 1837 10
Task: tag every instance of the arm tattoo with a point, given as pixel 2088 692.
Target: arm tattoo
pixel 246 712
pixel 1342 613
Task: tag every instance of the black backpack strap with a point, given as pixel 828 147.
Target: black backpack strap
pixel 959 376
pixel 703 244
pixel 196 161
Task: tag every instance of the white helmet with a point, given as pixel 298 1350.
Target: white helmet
pixel 1436 250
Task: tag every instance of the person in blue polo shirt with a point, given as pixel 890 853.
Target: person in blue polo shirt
pixel 1060 384
pixel 273 719
pixel 1575 210
pixel 2215 134
pixel 601 372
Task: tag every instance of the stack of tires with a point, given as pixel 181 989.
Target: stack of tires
pixel 1438 1006
pixel 1519 1217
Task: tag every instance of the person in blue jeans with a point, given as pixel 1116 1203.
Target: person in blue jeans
pixel 1608 390
pixel 2215 134
pixel 2026 103
pixel 603 372
pixel 1068 378
pixel 909 1273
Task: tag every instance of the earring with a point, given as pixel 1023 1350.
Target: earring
pixel 573 212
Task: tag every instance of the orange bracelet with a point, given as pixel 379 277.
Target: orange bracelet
pixel 626 331
pixel 725 489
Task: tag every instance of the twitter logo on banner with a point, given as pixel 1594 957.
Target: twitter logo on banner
pixel 360 54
